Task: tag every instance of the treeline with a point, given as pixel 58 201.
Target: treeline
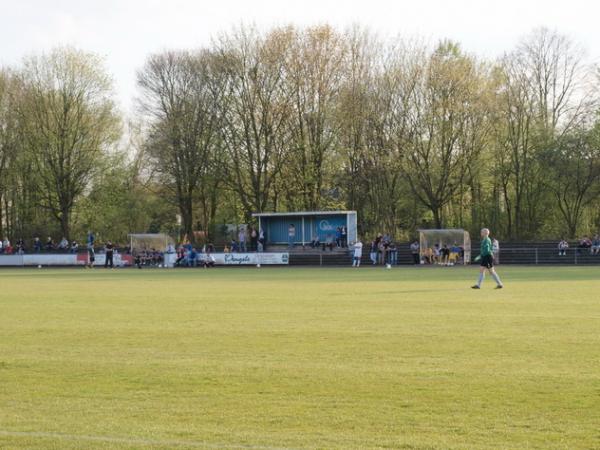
pixel 407 134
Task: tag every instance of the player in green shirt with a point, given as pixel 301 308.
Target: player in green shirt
pixel 487 260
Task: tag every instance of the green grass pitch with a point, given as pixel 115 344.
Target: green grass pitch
pixel 299 358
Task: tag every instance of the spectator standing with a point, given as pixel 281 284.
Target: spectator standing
pixel 414 251
pixel 261 241
pixel 253 239
pixel 393 252
pixel 90 249
pixel 358 247
pixel 338 237
pixel 344 236
pixel 373 252
pixel 242 240
pixel 108 250
pixel 63 245
pixel 496 251
pixel 291 235
pixel 91 239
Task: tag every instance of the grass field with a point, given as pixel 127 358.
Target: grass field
pixel 299 358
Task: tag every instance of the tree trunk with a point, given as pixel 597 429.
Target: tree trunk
pixel 64 223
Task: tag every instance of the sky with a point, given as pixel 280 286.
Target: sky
pixel 125 32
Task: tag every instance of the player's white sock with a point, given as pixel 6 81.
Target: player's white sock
pixel 481 277
pixel 497 278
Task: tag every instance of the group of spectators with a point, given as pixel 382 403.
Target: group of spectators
pixel 339 239
pixel 249 239
pixel 441 254
pixel 383 250
pixel 37 246
pixel 585 244
pixel 190 256
pixel 444 254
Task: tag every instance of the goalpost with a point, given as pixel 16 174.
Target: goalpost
pixel 452 237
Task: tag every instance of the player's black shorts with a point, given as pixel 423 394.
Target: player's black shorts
pixel 487 261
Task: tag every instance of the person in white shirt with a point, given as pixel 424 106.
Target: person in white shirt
pixel 496 251
pixel 562 248
pixel 358 246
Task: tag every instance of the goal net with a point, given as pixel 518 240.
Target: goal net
pixel 457 241
pixel 150 242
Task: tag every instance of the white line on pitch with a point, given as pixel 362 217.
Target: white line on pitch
pixel 124 440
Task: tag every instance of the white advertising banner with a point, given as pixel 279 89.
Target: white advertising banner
pixel 11 260
pixel 49 260
pixel 240 259
pixel 221 259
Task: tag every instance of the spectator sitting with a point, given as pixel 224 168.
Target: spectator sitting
pixel 454 253
pixel 595 249
pixel 563 246
pixel 6 247
pixel 209 261
pixel 428 256
pixel 436 253
pixel 20 246
pixel 234 246
pixel 192 259
pixel 585 243
pixel 315 241
pixel 180 256
pixel 63 244
pixel 226 249
pixel 74 247
pixel 49 244
pixel 445 254
pixel 328 242
pixel 37 245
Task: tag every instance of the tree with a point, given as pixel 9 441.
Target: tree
pixel 8 143
pixel 181 94
pixel 543 96
pixel 69 122
pixel 257 113
pixel 442 106
pixel 574 174
pixel 315 70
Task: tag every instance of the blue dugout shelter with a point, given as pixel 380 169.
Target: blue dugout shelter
pixel 308 224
